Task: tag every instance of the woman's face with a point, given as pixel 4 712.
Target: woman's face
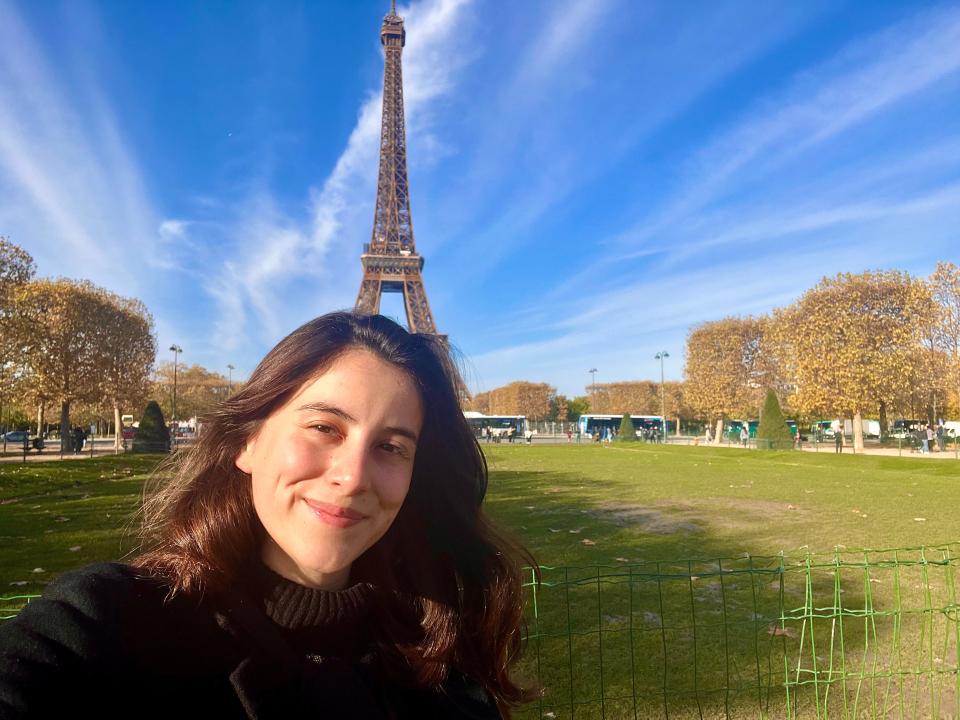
pixel 331 467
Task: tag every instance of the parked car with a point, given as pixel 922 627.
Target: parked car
pixel 17 436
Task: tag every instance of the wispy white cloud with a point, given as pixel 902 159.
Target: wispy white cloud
pixel 543 143
pixel 759 179
pixel 72 185
pixel 859 83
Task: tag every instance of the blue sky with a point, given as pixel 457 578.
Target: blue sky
pixel 589 178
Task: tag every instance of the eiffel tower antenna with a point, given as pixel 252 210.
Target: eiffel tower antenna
pixel 390 260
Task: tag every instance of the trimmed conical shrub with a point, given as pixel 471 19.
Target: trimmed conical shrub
pixel 773 432
pixel 152 435
pixel 627 431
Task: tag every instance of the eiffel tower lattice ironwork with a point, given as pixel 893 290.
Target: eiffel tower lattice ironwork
pixel 390 260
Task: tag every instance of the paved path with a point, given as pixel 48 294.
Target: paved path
pixel 102 447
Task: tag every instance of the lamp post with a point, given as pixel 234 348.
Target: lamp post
pixel 176 350
pixel 230 369
pixel 663 354
pixel 593 382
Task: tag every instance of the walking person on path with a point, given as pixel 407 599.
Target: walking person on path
pixel 838 439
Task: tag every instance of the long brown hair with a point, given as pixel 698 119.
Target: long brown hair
pixel 200 528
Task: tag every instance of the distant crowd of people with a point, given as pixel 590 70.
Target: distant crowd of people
pixel 927 436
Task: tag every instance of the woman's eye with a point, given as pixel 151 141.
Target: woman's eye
pixel 325 429
pixel 395 449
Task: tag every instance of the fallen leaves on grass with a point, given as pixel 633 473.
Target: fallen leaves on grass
pixel 777 631
pixel 61 519
pixel 39 570
pixel 920 519
pixel 75 548
pixel 620 559
pixel 587 541
pixel 575 532
pixel 554 531
pixel 19 583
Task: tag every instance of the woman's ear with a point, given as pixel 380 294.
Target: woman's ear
pixel 245 457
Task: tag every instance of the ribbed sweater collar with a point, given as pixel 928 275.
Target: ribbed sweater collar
pixel 318 621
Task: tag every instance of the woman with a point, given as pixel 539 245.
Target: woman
pixel 321 551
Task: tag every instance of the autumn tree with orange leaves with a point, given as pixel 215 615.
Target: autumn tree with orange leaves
pixel 850 343
pixel 728 369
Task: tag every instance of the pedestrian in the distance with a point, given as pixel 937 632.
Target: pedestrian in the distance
pixel 838 439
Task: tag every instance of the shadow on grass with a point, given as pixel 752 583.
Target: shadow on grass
pixel 626 626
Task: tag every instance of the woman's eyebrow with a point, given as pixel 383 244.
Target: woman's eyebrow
pixel 402 431
pixel 341 413
pixel 324 407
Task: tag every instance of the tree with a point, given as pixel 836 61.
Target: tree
pixel 727 365
pixel 640 397
pixel 517 398
pixel 16 269
pixel 559 411
pixel 627 432
pixel 773 433
pixel 16 266
pixel 480 403
pixel 129 351
pixel 577 406
pixel 944 286
pixel 58 330
pixel 152 433
pixel 850 343
pixel 199 390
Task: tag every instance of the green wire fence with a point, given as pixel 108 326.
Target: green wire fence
pixel 851 634
pixel 865 634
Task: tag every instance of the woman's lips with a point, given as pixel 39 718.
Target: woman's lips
pixel 335 515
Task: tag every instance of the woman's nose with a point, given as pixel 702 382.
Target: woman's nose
pixel 350 467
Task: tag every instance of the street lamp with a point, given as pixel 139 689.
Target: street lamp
pixel 663 354
pixel 230 369
pixel 176 350
pixel 593 381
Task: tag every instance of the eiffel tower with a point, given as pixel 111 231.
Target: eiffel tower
pixel 390 260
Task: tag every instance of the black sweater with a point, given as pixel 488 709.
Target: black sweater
pixel 103 642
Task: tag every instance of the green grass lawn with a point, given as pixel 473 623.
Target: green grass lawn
pixel 668 598
pixel 653 502
pixel 59 515
pixel 663 594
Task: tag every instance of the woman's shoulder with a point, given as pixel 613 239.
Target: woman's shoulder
pixel 101 595
pixel 99 589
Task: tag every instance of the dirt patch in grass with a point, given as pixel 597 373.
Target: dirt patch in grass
pixel 651 520
pixel 692 517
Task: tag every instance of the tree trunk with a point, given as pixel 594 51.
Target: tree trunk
pixel 677 433
pixel 117 432
pixel 857 432
pixel 718 435
pixel 40 419
pixel 65 423
pixel 883 421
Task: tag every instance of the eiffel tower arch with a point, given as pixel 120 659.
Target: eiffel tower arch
pixel 390 260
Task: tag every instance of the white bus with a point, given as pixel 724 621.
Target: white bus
pixel 507 427
pixel 589 424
